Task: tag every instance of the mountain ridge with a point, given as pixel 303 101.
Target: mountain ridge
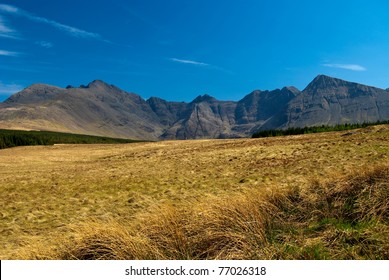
pixel 105 110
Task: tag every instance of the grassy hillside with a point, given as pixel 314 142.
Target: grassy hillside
pixel 316 196
pixel 14 138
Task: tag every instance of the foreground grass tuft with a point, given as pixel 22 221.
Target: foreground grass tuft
pixel 342 218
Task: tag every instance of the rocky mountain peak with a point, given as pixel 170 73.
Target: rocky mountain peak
pixel 292 89
pixel 203 98
pixel 154 99
pixel 97 84
pixel 101 87
pixel 324 82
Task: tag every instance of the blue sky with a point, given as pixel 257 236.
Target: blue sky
pixel 179 49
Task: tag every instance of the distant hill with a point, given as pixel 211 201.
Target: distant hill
pixel 96 109
pixel 106 110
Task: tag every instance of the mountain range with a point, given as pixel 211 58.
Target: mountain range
pixel 106 110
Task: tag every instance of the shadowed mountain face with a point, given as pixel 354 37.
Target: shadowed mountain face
pixel 102 109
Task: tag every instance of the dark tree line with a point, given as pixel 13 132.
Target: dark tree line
pixel 312 129
pixel 14 138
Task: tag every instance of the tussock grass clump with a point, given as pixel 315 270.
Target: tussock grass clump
pixel 342 218
pixel 94 240
pixel 219 228
pixel 362 196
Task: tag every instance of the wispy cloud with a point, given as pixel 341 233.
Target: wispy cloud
pixel 45 44
pixel 9 53
pixel 9 88
pixel 73 31
pixel 4 28
pixel 6 31
pixel 8 8
pixel 189 62
pixel 197 63
pixel 352 67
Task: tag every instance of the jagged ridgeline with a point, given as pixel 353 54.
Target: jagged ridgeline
pixel 106 110
pixel 14 138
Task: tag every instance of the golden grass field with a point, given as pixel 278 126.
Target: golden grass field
pixel 316 196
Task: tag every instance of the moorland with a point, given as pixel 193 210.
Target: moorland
pixel 315 196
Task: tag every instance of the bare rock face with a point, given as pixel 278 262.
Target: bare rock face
pixel 261 105
pixel 102 109
pixel 258 108
pixel 167 112
pixel 204 117
pixel 330 101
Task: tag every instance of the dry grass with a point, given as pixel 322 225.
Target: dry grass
pixel 300 197
pixel 346 218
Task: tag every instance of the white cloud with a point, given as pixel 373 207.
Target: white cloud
pixel 8 8
pixel 353 67
pixel 189 62
pixel 4 35
pixel 6 31
pixel 45 44
pixel 208 66
pixel 8 53
pixel 4 28
pixel 76 32
pixel 69 29
pixel 10 88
